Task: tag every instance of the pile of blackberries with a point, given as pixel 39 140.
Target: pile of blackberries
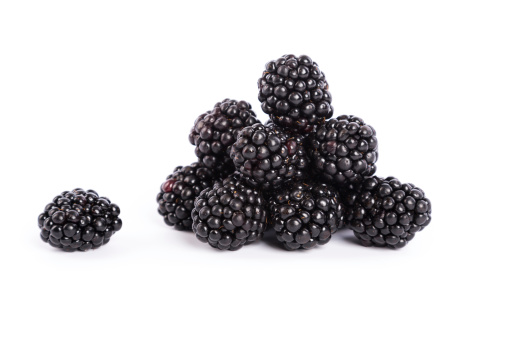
pixel 303 173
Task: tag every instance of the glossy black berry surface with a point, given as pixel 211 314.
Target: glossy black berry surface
pixel 305 214
pixel 215 131
pixel 79 220
pixel 386 212
pixel 178 192
pixel 268 156
pixel 294 92
pixel 229 215
pixel 343 150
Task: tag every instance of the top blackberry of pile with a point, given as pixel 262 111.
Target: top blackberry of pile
pixel 294 92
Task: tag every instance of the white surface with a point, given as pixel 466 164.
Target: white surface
pixel 102 95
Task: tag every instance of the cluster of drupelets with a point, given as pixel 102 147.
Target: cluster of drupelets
pixel 79 220
pixel 303 173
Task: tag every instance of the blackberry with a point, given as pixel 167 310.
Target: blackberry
pixel 79 220
pixel 305 214
pixel 388 213
pixel 294 92
pixel 229 215
pixel 267 156
pixel 343 150
pixel 178 192
pixel 215 131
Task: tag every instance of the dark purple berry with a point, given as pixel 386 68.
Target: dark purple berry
pixel 177 194
pixel 293 91
pixel 229 215
pixel 79 220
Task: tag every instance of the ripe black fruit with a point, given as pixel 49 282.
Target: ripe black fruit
pixel 79 220
pixel 385 212
pixel 294 92
pixel 215 131
pixel 305 214
pixel 343 150
pixel 267 156
pixel 178 192
pixel 229 215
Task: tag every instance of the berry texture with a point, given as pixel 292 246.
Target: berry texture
pixel 343 150
pixel 388 213
pixel 177 194
pixel 267 156
pixel 215 131
pixel 229 215
pixel 79 220
pixel 305 214
pixel 294 92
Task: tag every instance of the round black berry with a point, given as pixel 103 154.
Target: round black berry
pixel 388 213
pixel 343 150
pixel 79 220
pixel 229 215
pixel 178 192
pixel 215 131
pixel 294 92
pixel 267 156
pixel 305 214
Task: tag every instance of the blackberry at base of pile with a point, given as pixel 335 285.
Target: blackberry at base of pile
pixel 229 215
pixel 385 212
pixel 178 192
pixel 79 220
pixel 305 214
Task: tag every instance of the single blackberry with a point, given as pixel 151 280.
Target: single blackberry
pixel 294 92
pixel 79 220
pixel 343 150
pixel 178 192
pixel 215 131
pixel 305 214
pixel 229 215
pixel 388 213
pixel 267 156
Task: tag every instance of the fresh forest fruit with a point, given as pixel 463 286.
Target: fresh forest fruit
pixel 294 92
pixel 388 213
pixel 268 156
pixel 302 172
pixel 215 131
pixel 178 192
pixel 305 214
pixel 229 215
pixel 79 220
pixel 343 150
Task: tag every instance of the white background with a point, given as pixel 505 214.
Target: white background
pixel 102 94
